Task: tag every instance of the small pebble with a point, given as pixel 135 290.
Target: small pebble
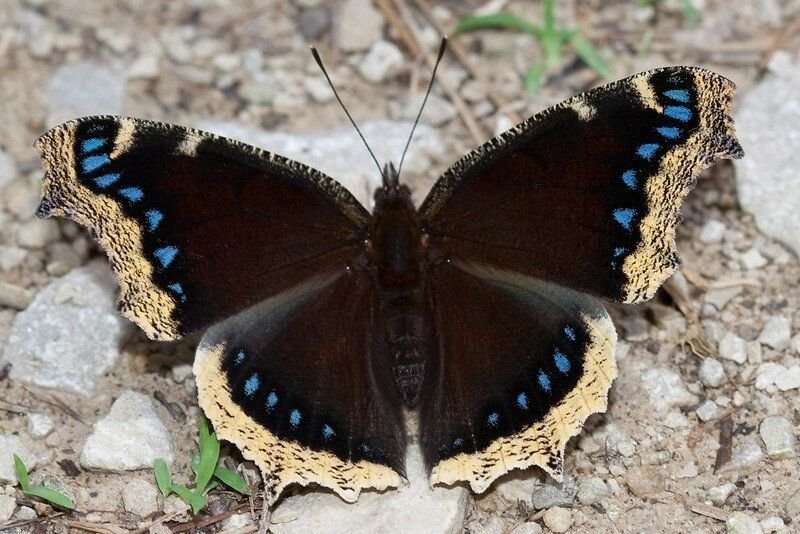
pixel 140 497
pixel 7 506
pixel 665 389
pixel 792 506
pixel 713 231
pixel 776 333
pixel 772 524
pixel 708 411
pixel 12 257
pixel 734 348
pixel 36 233
pixel 383 61
pixel 742 523
pixel 689 470
pixel 746 455
pixel 530 527
pixel 359 36
pixel 752 259
pixel 181 372
pixel 592 490
pixel 14 297
pixel 767 373
pixel 558 519
pixel 719 494
pixel 776 431
pixel 25 513
pixel 642 481
pixel 711 373
pixel 39 425
pixel 754 354
pixel 789 380
pixel 554 494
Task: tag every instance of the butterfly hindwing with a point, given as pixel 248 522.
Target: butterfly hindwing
pixel 300 395
pixel 178 211
pixel 587 194
pixel 521 364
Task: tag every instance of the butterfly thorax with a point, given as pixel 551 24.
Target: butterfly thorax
pixel 396 250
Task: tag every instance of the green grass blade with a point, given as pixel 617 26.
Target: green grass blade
pixel 232 479
pixel 183 492
pixel 209 454
pixel 507 21
pixel 205 432
pixel 22 473
pixel 52 496
pixel 549 16
pixel 589 55
pixel 163 478
pixel 197 501
pixel 533 78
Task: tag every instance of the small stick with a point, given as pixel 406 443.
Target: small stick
pixel 725 442
pixel 709 511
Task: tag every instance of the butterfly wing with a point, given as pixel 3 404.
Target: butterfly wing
pixel 521 364
pixel 299 394
pixel 196 227
pixel 587 193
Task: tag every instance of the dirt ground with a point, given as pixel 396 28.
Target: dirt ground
pixel 248 62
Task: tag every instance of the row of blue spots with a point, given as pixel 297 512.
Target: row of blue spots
pixel 133 194
pixel 679 113
pixel 647 150
pixel 562 362
pixel 670 132
pixel 166 255
pixel 92 144
pixel 92 163
pixel 240 357
pixel 493 420
pixel 570 333
pixel 251 385
pixel 624 216
pixel 294 418
pixel 106 180
pixel 178 290
pixel 544 381
pixel 678 95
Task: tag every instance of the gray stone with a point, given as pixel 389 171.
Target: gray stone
pixel 7 506
pixel 62 258
pixel 518 488
pixel 665 389
pixel 21 197
pixel 789 380
pixel 39 425
pixel 643 481
pixel 10 445
pixel 140 497
pixel 767 373
pixel 339 153
pixel 733 348
pixel 558 519
pixel 708 411
pixel 36 233
pixel 11 257
pixel 771 524
pixel 359 25
pixel 84 88
pixel 766 123
pixel 553 493
pixel 416 508
pixel 382 62
pixel 752 259
pixel 713 231
pixel 314 22
pixel 70 335
pixel 181 372
pixel 15 297
pixel 711 373
pixel 776 333
pixel 8 169
pixel 130 437
pixel 745 455
pixel 592 490
pixel 754 354
pixel 25 513
pixel 720 297
pixel 145 66
pixel 438 111
pixel 776 431
pixel 792 506
pixel 741 523
pixel 719 494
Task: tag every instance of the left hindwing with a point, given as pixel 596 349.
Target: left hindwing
pixel 587 193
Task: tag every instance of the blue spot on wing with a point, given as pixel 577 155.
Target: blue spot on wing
pixel 294 418
pixel 251 385
pixel 619 251
pixel 458 442
pixel 493 419
pixel 92 163
pixel 240 357
pixel 669 132
pixel 679 95
pixel 134 194
pixel 544 381
pixel 629 177
pixel 106 179
pixel 177 288
pixel 166 255
pixel 562 362
pixel 272 400
pixel 154 218
pixel 328 432
pixel 624 216
pixel 522 401
pixel 648 150
pixel 569 332
pixel 680 113
pixel 92 144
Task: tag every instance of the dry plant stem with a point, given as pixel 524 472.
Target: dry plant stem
pixel 725 442
pixel 458 51
pixel 709 511
pixel 398 16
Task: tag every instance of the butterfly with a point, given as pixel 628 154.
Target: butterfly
pixel 481 309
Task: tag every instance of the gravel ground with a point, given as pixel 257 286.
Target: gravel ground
pixel 655 462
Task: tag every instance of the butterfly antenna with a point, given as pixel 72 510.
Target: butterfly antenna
pixel 442 48
pixel 353 122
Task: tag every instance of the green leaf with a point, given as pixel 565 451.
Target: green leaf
pixel 195 463
pixel 549 16
pixel 507 21
pixel 197 501
pixel 205 432
pixel 52 496
pixel 209 454
pixel 232 479
pixel 589 55
pixel 183 492
pixel 22 473
pixel 533 78
pixel 163 478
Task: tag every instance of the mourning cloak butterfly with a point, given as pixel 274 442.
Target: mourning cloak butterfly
pixel 479 309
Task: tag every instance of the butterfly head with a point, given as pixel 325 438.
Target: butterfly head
pixel 392 192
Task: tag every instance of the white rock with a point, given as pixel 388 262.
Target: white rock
pixel 8 169
pixel 741 523
pixel 675 419
pixel 140 497
pixel 70 335
pixel 719 494
pixel 711 373
pixel 790 379
pixel 382 62
pixel 776 431
pixel 11 257
pixel 359 25
pixel 340 154
pixel 438 111
pixel 181 372
pixel 752 259
pixel 10 445
pixel 767 373
pixel 689 470
pixel 708 411
pixel 518 488
pixel 754 354
pixel 766 124
pixel 771 524
pixel 145 66
pixel 792 506
pixel 776 333
pixel 39 425
pixel 713 231
pixel 130 437
pixel 734 348
pixel 7 506
pixel 237 523
pixel 14 297
pixel 745 455
pixel 83 88
pixel 529 527
pixel 416 508
pixel 665 389
pixel 558 519
pixel 720 297
pixel 592 490
pixel 36 233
